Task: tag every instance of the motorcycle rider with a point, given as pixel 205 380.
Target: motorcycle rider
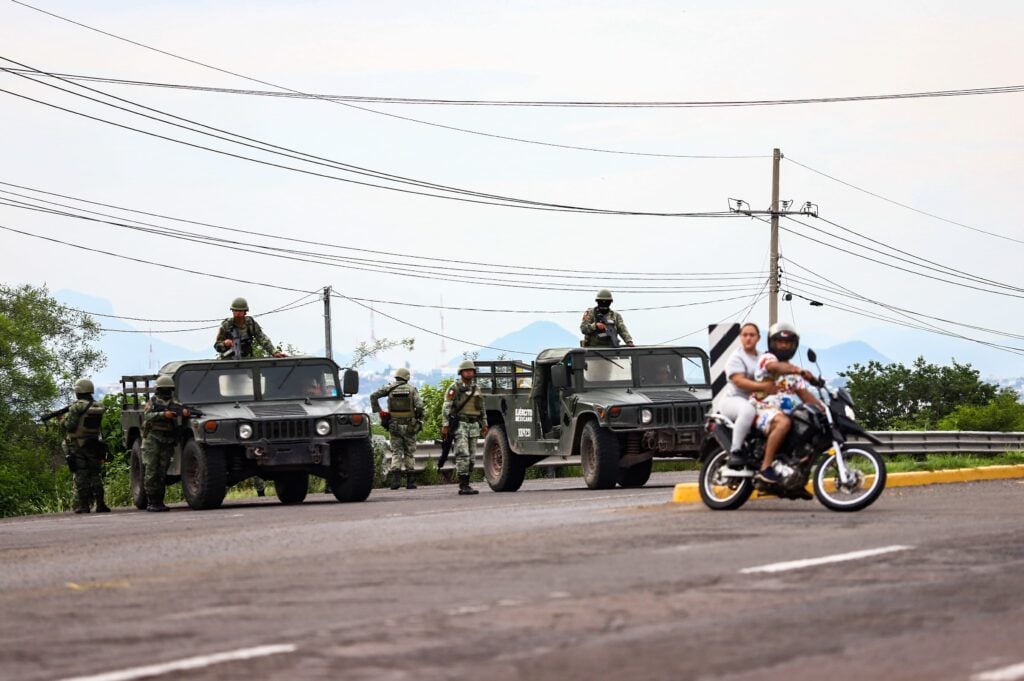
pixel 736 404
pixel 789 379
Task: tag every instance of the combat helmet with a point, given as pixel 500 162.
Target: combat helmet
pixel 604 294
pixel 84 386
pixel 164 381
pixel 402 374
pixel 240 304
pixel 466 365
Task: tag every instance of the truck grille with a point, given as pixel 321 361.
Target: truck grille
pixel 678 415
pixel 297 429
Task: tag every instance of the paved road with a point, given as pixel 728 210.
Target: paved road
pixel 553 582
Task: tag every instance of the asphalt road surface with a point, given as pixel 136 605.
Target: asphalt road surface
pixel 552 582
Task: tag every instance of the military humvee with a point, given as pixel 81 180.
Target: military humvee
pixel 279 419
pixel 614 408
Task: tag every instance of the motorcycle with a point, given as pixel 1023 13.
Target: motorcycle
pixel 847 476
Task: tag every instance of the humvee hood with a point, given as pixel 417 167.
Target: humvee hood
pixel 612 396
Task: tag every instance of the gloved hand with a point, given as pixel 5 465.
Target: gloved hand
pixel 228 343
pixel 280 354
pixel 169 414
pixel 185 412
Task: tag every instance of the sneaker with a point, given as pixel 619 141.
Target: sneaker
pixel 768 475
pixel 804 494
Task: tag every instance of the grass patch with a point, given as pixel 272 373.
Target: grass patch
pixel 906 463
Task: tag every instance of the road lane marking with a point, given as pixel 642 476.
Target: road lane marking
pixel 824 560
pixel 1011 673
pixel 188 663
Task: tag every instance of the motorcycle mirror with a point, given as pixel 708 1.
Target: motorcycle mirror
pixel 812 356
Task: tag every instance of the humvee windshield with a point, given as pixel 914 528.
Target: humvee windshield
pixel 281 382
pixel 670 370
pixel 608 368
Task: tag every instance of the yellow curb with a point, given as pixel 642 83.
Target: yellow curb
pixel 688 492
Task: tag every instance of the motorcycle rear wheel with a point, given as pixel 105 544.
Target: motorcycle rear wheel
pixel 869 469
pixel 718 493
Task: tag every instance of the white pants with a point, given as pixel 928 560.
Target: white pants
pixel 741 412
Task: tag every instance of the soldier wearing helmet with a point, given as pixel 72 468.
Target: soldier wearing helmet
pixel 465 401
pixel 84 451
pixel 161 429
pixel 403 420
pixel 790 381
pixel 601 326
pixel 237 335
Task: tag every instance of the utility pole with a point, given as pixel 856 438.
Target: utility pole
pixel 773 266
pixel 327 322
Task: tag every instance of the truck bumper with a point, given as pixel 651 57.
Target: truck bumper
pixel 271 454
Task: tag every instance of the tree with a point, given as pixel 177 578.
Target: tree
pixel 1003 413
pixel 895 397
pixel 367 351
pixel 433 401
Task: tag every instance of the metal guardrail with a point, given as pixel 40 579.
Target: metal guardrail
pixel 895 442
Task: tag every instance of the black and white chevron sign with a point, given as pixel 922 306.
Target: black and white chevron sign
pixel 722 340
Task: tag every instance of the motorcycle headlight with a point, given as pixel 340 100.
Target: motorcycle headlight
pixel 245 431
pixel 849 412
pixel 323 428
pixel 646 416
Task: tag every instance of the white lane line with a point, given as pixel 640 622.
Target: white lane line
pixel 1011 673
pixel 188 663
pixel 811 562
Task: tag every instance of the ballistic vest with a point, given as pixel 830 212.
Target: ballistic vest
pixel 89 422
pixel 162 425
pixel 474 405
pixel 400 401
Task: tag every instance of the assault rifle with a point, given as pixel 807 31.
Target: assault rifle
pixel 609 328
pixel 240 347
pixel 54 414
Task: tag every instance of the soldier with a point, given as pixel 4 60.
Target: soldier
pixel 597 320
pixel 83 449
pixel 243 330
pixel 160 432
pixel 403 420
pixel 465 401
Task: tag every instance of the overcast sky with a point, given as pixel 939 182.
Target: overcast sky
pixel 959 158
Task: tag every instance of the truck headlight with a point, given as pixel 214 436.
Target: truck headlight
pixel 245 431
pixel 323 428
pixel 646 416
pixel 849 412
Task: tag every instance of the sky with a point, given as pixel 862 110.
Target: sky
pixel 957 158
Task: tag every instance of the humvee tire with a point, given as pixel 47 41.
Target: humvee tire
pixel 203 476
pixel 291 487
pixel 636 476
pixel 352 474
pixel 138 476
pixel 599 456
pixel 503 470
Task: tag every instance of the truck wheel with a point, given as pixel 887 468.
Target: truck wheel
pixel 203 476
pixel 352 474
pixel 504 470
pixel 291 487
pixel 599 455
pixel 138 476
pixel 636 476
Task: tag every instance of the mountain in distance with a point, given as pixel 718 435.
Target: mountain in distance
pixel 841 357
pixel 531 338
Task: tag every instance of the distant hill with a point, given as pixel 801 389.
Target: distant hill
pixel 840 357
pixel 532 338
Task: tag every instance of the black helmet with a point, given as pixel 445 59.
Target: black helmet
pixel 783 331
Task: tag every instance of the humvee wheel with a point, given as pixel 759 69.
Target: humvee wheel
pixel 137 474
pixel 599 456
pixel 203 476
pixel 291 487
pixel 352 470
pixel 504 470
pixel 636 476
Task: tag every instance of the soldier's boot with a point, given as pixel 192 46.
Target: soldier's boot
pixel 101 505
pixel 396 479
pixel 410 480
pixel 327 487
pixel 82 503
pixel 464 487
pixel 261 488
pixel 82 509
pixel 156 504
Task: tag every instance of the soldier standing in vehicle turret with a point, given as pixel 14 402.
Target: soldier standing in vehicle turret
pixel 465 402
pixel 601 326
pixel 403 419
pixel 243 330
pixel 160 432
pixel 83 449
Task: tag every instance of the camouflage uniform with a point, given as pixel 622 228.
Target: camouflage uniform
pixel 85 452
pixel 405 407
pixel 472 419
pixel 249 331
pixel 160 434
pixel 595 338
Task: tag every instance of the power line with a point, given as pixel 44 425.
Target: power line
pixel 903 205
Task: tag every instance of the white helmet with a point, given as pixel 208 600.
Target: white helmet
pixel 783 331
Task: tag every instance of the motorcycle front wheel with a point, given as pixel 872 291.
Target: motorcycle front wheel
pixel 720 493
pixel 868 481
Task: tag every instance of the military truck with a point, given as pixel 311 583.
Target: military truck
pixel 280 419
pixel 612 409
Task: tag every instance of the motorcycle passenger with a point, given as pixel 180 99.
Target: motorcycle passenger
pixel 772 410
pixel 736 404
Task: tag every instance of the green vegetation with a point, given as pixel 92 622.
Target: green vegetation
pixel 939 462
